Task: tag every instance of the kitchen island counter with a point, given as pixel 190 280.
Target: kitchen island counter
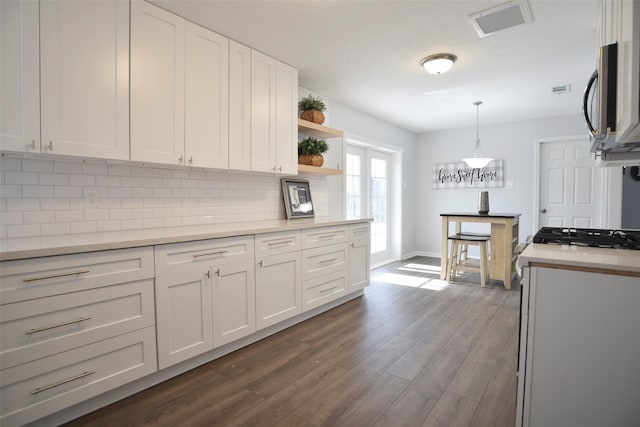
pixel 32 247
pixel 581 258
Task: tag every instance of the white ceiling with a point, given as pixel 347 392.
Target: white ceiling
pixel 365 54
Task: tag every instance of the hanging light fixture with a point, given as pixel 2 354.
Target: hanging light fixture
pixel 438 63
pixel 478 160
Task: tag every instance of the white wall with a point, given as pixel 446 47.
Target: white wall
pixel 356 123
pixel 512 142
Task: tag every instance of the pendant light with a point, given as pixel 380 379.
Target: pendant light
pixel 477 161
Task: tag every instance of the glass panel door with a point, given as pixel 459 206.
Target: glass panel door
pixel 355 182
pixel 379 202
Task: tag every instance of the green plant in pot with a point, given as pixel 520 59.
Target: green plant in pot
pixel 312 108
pixel 310 151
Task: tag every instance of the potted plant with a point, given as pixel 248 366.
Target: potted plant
pixel 310 151
pixel 312 109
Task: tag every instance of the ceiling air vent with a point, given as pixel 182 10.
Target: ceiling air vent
pixel 560 90
pixel 500 17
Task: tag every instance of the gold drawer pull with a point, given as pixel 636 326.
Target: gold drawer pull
pixel 324 261
pixel 282 242
pixel 57 325
pixel 210 254
pixel 322 291
pixel 59 383
pixel 53 276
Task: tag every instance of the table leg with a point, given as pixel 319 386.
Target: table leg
pixel 497 251
pixel 444 248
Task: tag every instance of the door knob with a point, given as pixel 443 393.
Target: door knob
pixel 543 210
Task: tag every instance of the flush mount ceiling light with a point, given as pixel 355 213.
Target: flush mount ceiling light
pixel 478 160
pixel 438 63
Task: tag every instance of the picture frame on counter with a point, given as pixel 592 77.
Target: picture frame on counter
pixel 297 198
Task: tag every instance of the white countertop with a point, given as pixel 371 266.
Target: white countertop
pixel 32 247
pixel 581 257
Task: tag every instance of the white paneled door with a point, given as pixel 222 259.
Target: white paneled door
pixel 570 185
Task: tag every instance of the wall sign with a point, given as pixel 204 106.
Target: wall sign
pixel 459 175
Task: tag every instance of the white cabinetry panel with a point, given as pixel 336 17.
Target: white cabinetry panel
pixel 85 78
pixel 278 288
pixel 234 302
pixel 206 98
pixel 263 112
pixel 157 84
pixel 239 106
pixel 19 76
pixel 38 388
pixel 286 119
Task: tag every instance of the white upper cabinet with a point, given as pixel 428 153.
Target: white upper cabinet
pixel 157 84
pixel 206 98
pixel 84 63
pixel 78 99
pixel 286 119
pixel 274 123
pixel 263 113
pixel 19 77
pixel 239 106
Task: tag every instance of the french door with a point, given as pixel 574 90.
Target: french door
pixel 368 173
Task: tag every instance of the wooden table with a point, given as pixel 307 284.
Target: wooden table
pixel 504 238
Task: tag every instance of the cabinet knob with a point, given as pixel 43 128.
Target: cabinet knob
pixel 280 168
pixel 191 160
pixel 260 263
pixel 50 146
pixel 32 145
pixel 181 160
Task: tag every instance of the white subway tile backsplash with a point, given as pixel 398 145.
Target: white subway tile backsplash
pixel 54 229
pixel 32 165
pixel 39 217
pixel 83 227
pixel 44 197
pixel 67 167
pixel 20 178
pixel 37 191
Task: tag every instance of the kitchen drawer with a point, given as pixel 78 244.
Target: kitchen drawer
pixel 203 252
pixel 38 328
pixel 277 243
pixel 320 261
pixel 359 231
pixel 41 387
pixel 42 277
pixel 321 290
pixel 315 237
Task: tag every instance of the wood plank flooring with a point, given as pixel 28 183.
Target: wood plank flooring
pixel 414 351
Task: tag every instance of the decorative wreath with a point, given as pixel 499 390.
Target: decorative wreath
pixel 634 171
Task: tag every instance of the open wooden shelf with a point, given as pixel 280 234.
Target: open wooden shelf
pixel 314 170
pixel 319 131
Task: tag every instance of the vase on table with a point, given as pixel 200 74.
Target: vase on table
pixel 483 203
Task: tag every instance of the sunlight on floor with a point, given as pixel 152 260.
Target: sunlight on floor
pixel 414 281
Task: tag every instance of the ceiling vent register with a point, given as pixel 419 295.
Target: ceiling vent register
pixel 501 17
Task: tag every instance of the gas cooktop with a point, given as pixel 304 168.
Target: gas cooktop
pixel 599 238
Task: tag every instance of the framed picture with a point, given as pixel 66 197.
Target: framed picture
pixel 297 198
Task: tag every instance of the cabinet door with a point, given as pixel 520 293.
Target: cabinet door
pixel 84 62
pixel 263 113
pixel 206 98
pixel 628 105
pixel 239 106
pixel 234 302
pixel 183 315
pixel 278 289
pixel 19 76
pixel 359 264
pixel 286 119
pixel 157 84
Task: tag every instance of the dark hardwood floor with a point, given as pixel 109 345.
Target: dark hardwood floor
pixel 414 351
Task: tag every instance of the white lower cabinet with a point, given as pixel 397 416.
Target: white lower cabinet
pixel 359 256
pixel 278 288
pixel 193 279
pixel 234 302
pixel 41 387
pixel 184 315
pixel 73 327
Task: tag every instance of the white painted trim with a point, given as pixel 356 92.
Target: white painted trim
pixel 421 253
